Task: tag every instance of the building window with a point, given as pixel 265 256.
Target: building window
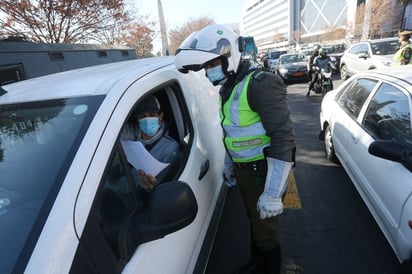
pixel 102 53
pixel 55 56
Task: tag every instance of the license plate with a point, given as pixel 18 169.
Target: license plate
pixel 298 73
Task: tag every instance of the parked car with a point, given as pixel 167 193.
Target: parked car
pixel 366 127
pixel 291 67
pixel 367 55
pixel 68 200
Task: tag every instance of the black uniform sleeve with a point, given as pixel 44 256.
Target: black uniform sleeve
pixel 267 96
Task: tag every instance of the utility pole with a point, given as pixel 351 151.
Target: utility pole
pixel 163 31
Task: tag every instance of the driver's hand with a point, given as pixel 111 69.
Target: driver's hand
pixel 146 181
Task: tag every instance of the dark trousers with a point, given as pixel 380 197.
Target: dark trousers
pixel 314 76
pixel 265 248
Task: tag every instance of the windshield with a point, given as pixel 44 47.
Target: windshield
pixel 285 59
pixel 384 48
pixel 338 48
pixel 37 144
pixel 276 54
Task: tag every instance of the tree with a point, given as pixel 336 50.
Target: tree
pixel 333 32
pixel 376 19
pixel 296 35
pixel 61 21
pixel 140 35
pixel 179 34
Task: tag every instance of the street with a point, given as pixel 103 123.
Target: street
pixel 325 228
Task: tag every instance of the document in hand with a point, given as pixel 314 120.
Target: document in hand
pixel 138 156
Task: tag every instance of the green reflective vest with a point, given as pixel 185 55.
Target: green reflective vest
pixel 398 56
pixel 244 135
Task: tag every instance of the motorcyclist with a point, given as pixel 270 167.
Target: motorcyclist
pixel 257 133
pixel 322 61
pixel 310 62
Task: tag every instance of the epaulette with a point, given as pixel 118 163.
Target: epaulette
pixel 258 75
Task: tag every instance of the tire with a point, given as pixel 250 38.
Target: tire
pixel 344 72
pixel 329 150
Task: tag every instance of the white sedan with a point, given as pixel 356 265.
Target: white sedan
pixel 366 125
pixel 68 200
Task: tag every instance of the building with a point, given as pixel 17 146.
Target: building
pixel 287 23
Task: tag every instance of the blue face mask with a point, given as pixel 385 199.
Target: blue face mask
pixel 149 125
pixel 216 75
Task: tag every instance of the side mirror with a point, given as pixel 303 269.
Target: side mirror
pixel 363 55
pixel 171 206
pixel 393 151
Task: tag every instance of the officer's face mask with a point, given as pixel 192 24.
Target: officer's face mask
pixel 216 75
pixel 149 125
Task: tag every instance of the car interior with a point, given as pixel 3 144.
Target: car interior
pixel 109 234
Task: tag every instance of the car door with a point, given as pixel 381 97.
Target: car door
pixel 388 184
pixel 351 101
pixel 361 63
pixel 199 167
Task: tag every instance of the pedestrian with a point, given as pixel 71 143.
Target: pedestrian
pixel 404 53
pixel 257 133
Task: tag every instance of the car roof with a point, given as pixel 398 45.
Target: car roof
pixel 93 80
pixel 375 41
pixel 401 73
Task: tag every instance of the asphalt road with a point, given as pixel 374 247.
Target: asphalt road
pixel 326 227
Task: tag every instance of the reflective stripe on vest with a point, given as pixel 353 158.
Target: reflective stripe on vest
pixel 245 136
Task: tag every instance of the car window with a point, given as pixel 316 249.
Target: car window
pixel 355 49
pixel 37 141
pixel 352 98
pixel 109 237
pixel 363 48
pixel 388 115
pixel 385 47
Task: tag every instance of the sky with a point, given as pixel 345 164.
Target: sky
pixel 179 12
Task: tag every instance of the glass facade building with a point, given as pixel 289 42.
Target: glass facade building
pixel 284 23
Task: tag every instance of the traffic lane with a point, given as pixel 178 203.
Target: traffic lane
pixel 332 232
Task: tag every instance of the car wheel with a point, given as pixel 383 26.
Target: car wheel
pixel 343 72
pixel 329 150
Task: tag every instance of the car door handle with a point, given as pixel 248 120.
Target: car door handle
pixel 355 139
pixel 204 169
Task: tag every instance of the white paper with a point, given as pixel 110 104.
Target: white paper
pixel 138 156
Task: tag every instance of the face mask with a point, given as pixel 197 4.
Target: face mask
pixel 149 125
pixel 216 75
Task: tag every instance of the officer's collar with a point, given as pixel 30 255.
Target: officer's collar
pixel 243 69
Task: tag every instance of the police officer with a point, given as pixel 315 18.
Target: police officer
pixel 404 53
pixel 257 132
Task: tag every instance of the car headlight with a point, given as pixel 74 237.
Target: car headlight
pixel 332 58
pixel 283 70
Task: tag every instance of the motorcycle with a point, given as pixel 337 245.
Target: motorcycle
pixel 323 83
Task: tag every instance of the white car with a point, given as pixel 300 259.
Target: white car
pixel 68 201
pixel 366 125
pixel 367 55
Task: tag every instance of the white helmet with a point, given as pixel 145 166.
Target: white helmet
pixel 207 44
